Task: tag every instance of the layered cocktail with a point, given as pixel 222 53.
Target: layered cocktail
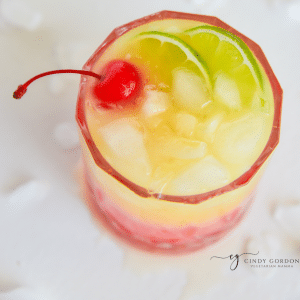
pixel 177 134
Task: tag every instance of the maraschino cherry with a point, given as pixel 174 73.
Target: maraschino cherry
pixel 119 85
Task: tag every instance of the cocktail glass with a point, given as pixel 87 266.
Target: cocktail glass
pixel 155 221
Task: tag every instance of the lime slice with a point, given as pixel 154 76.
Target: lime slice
pixel 165 52
pixel 225 53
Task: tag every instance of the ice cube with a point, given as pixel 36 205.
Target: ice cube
pixel 20 14
pixel 162 175
pixel 208 129
pixel 189 91
pixel 205 175
pixel 184 124
pixel 170 145
pixel 154 122
pixel 66 135
pixel 126 149
pixel 288 217
pixel 155 104
pixel 123 138
pixel 240 141
pixel 226 91
pixel 29 193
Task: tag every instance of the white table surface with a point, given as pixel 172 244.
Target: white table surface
pixel 50 247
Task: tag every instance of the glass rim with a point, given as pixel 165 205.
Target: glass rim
pixel 188 199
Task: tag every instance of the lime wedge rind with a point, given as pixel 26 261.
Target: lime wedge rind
pixel 225 35
pixel 191 54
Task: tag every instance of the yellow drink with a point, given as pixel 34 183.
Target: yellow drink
pixel 175 170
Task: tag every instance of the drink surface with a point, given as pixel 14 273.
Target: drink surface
pixel 203 117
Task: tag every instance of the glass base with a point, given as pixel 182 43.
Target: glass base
pixel 159 238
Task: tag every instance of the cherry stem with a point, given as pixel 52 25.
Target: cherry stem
pixel 21 90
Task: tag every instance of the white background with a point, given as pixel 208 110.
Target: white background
pixel 50 247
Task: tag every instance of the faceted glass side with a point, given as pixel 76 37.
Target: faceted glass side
pixel 138 216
